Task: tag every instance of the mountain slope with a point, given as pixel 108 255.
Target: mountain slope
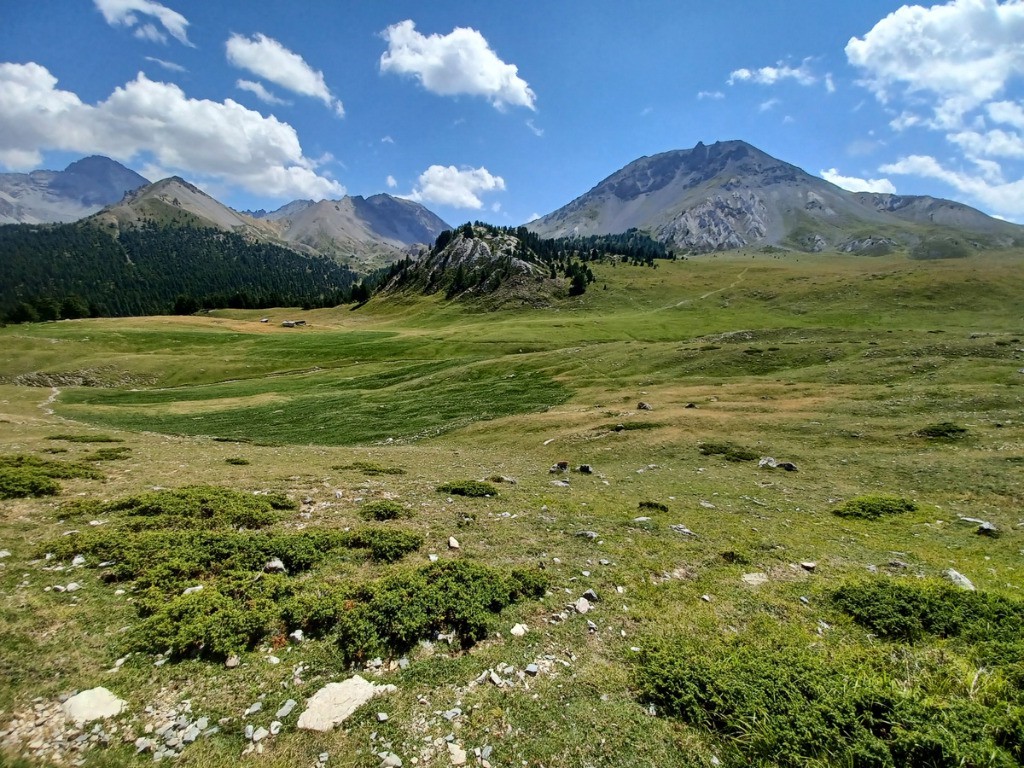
pixel 731 195
pixel 79 190
pixel 174 201
pixel 369 231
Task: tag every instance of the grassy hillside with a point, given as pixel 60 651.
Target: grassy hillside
pixel 788 618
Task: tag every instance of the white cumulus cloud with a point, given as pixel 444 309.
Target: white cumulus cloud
pixel 126 13
pixel 854 184
pixel 460 62
pixel 266 57
pixel 1006 112
pixel 457 187
pixel 155 123
pixel 994 143
pixel 961 54
pixel 259 91
pixel 391 181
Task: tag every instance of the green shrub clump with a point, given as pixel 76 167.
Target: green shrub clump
pixel 386 545
pixel 22 475
pixel 237 461
pixel 407 606
pixel 945 430
pixel 383 509
pixel 116 453
pixel 652 506
pixel 19 482
pixel 86 438
pixel 727 451
pixel 897 610
pixel 372 468
pixel 874 506
pixel 474 488
pixel 777 702
pixel 196 507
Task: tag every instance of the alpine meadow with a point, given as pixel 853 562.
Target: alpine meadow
pixel 719 463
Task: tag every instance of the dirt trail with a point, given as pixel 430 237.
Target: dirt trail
pixel 733 284
pixel 45 405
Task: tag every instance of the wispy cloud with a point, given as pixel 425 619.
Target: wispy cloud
pixel 772 75
pixel 168 65
pixel 711 95
pixel 267 58
pixel 126 13
pixel 854 184
pixel 259 91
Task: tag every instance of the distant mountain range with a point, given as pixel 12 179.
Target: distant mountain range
pixel 82 188
pixel 732 195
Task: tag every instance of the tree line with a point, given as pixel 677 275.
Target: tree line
pixel 66 271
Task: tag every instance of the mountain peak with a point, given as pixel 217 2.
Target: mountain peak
pixel 731 194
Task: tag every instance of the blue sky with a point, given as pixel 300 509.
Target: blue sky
pixel 503 111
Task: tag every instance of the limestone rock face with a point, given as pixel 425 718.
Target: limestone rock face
pixel 94 704
pixel 335 702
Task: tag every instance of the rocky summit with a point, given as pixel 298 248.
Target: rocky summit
pixel 731 195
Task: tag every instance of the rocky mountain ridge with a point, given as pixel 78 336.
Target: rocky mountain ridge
pixel 81 189
pixel 732 195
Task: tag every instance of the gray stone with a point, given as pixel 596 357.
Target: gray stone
pixel 323 757
pixel 74 586
pixel 959 579
pixel 249 731
pixel 582 605
pixel 78 560
pixel 452 713
pixel 680 528
pixel 591 595
pixel 391 760
pixel 335 702
pixel 93 704
pixel 4 553
pixel 193 590
pixel 253 708
pixel 382 717
pixel 286 709
pixel 275 727
pixel 274 565
pixel 191 734
pixel 587 534
pixel 532 669
pixel 809 566
pixel 259 735
pixel 297 636
pixel 453 543
pixel 755 579
pixel 519 630
pixel 232 662
pixel 642 406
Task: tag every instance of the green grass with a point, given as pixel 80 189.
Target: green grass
pixel 834 362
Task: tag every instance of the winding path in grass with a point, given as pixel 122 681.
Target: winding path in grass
pixel 733 284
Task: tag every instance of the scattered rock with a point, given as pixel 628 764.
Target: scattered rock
pixel 274 565
pixel 382 717
pixel 4 553
pixel 193 590
pixel 680 528
pixel 74 586
pixel 78 560
pixel 456 753
pixel 253 709
pixel 259 735
pixel 298 635
pixel 335 702
pixel 93 704
pixel 519 630
pixel 706 598
pixel 691 405
pixel 453 543
pixel 707 504
pixel 591 595
pixel 286 709
pixel 767 462
pixel 560 483
pixel 642 406
pixel 587 534
pixel 275 727
pixel 582 605
pixel 532 669
pixel 755 579
pixel 391 760
pixel 809 566
pixel 232 662
pixel 323 757
pixel 585 469
pixel 959 579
